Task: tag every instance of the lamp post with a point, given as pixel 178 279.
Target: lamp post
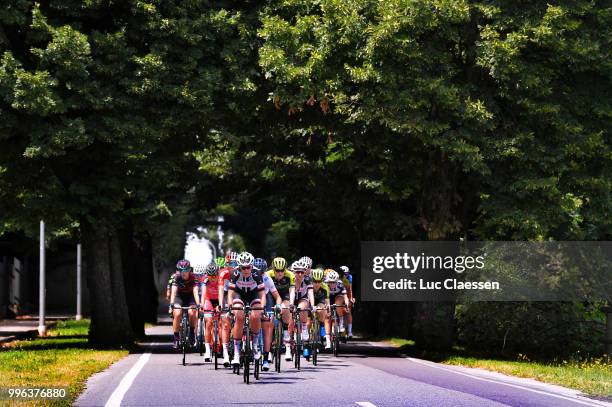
pixel 79 313
pixel 42 328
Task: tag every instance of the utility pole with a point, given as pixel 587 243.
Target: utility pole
pixel 79 313
pixel 42 328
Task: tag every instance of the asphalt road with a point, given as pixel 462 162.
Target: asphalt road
pixel 367 374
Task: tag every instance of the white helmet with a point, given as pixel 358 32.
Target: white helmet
pixel 344 270
pixel 245 259
pixel 332 277
pixel 298 266
pixel 307 261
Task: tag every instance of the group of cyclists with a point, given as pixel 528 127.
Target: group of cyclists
pixel 228 285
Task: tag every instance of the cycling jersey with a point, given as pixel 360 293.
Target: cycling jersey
pixel 225 275
pixel 338 290
pixel 347 280
pixel 301 292
pixel 184 286
pixel 246 289
pixel 268 284
pixel 321 294
pixel 212 287
pixel 284 283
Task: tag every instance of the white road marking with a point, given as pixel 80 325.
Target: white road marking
pixel 365 404
pixel 125 383
pixel 574 399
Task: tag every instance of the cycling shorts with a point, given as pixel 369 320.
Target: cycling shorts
pixel 184 299
pixel 249 297
pixel 210 305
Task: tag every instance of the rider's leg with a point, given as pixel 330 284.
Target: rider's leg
pixel 302 305
pixel 238 326
pixel 341 311
pixel 349 320
pixel 255 323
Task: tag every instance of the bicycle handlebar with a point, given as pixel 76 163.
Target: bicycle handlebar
pixel 189 307
pixel 247 307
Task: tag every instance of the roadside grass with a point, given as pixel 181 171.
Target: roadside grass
pixel 592 377
pixel 62 359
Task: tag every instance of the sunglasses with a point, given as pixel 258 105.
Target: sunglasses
pixel 317 281
pixel 245 267
pixel 298 272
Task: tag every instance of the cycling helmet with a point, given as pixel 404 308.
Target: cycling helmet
pixel 220 261
pixel 231 256
pixel 279 263
pixel 317 275
pixel 199 269
pixel 307 261
pixel 298 266
pixel 332 277
pixel 344 270
pixel 183 266
pixel 245 259
pixel 260 264
pixel 212 269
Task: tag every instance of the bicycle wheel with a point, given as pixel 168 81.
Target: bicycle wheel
pixel 298 345
pixel 201 335
pixel 247 356
pixel 184 338
pixel 278 349
pixel 215 346
pixel 256 369
pixel 336 340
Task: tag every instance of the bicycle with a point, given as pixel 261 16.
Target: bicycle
pixel 216 348
pixel 201 337
pixel 278 341
pixel 297 347
pixel 315 336
pixel 247 352
pixel 184 339
pixel 335 333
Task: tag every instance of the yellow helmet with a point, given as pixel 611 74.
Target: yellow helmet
pixel 279 263
pixel 317 274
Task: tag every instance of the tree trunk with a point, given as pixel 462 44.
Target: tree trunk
pixel 434 325
pixel 110 322
pixel 139 278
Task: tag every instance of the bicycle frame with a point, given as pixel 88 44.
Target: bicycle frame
pixel 184 329
pixel 247 351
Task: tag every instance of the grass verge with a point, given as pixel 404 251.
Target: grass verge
pixel 62 359
pixel 592 377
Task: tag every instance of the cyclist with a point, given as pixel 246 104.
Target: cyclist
pixel 210 300
pixel 337 295
pixel 347 280
pixel 321 297
pixel 273 300
pixel 304 296
pixel 184 293
pixel 246 286
pixel 308 262
pixel 225 275
pixel 284 280
pixel 220 262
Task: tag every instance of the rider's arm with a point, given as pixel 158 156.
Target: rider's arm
pixel 173 294
pixel 262 297
pixel 291 294
pixel 230 297
pixel 311 296
pixel 221 292
pixel 277 297
pixel 195 294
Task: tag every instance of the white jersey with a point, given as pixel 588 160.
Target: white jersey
pixel 268 284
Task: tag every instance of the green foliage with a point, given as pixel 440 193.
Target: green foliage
pixel 540 330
